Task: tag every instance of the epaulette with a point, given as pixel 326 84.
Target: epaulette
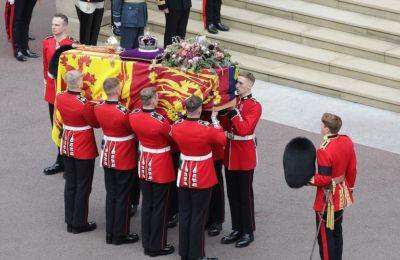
pixel 325 144
pixel 122 108
pixel 62 92
pixel 82 99
pixel 178 121
pixel 99 103
pixel 255 100
pixel 157 116
pixel 136 110
pixel 48 37
pixel 72 39
pixel 205 123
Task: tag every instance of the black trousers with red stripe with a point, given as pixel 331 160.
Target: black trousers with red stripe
pixel 78 186
pixel 239 185
pixel 193 210
pixel 59 159
pixel 330 241
pixel 155 204
pixel 20 25
pixel 211 12
pixel 217 204
pixel 118 184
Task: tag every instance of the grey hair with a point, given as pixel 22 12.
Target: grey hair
pixel 72 78
pixel 147 94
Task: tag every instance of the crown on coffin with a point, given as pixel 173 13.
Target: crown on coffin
pixel 148 42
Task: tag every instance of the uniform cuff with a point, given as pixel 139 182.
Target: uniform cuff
pixel 162 6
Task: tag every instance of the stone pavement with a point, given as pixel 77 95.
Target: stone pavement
pixel 31 204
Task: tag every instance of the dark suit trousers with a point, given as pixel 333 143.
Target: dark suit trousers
pixel 118 183
pixel 330 241
pixel 78 185
pixel 217 204
pixel 22 18
pixel 193 207
pixel 175 25
pixel 212 12
pixel 155 214
pixel 239 185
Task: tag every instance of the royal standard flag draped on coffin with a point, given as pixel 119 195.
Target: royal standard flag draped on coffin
pixel 215 87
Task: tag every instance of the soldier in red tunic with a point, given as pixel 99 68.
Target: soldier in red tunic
pixel 59 26
pixel 335 179
pixel 78 148
pixel 196 176
pixel 156 172
pixel 118 158
pixel 240 161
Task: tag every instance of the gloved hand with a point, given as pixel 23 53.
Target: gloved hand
pixel 116 30
pixel 11 2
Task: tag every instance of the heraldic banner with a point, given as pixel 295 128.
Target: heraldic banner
pixel 215 87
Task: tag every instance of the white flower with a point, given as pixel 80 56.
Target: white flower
pixel 190 61
pixel 174 56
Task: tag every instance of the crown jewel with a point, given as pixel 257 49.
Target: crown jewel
pixel 147 43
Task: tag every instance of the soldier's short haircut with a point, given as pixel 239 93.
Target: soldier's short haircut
pixel 110 85
pixel 248 75
pixel 72 78
pixel 331 121
pixel 193 103
pixel 62 16
pixel 147 94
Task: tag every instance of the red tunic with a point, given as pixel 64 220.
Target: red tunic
pixel 240 124
pixel 217 150
pixel 49 46
pixel 78 138
pixel 119 147
pixel 152 131
pixel 336 157
pixel 195 139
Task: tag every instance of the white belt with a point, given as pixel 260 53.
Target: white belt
pixel 161 150
pixel 196 158
pixel 232 136
pixel 76 128
pixel 118 139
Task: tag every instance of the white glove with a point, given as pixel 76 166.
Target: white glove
pixel 11 2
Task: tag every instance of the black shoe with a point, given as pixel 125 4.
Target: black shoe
pixel 20 57
pixel 55 168
pixel 231 238
pixel 128 239
pixel 90 226
pixel 116 30
pixel 222 27
pixel 245 240
pixel 167 250
pixel 31 38
pixel 212 29
pixel 133 210
pixel 69 228
pixel 214 230
pixel 173 221
pixel 30 54
pixel 109 238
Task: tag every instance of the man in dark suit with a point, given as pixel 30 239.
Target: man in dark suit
pixel 212 16
pixel 176 18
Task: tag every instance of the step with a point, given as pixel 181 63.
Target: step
pixel 388 9
pixel 293 53
pixel 307 34
pixel 326 16
pixel 311 80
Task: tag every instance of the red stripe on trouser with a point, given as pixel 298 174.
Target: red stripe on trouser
pixel 205 13
pixel 324 239
pixel 250 202
pixel 11 21
pixel 204 225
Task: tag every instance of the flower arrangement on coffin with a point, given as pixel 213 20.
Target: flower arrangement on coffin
pixel 196 54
